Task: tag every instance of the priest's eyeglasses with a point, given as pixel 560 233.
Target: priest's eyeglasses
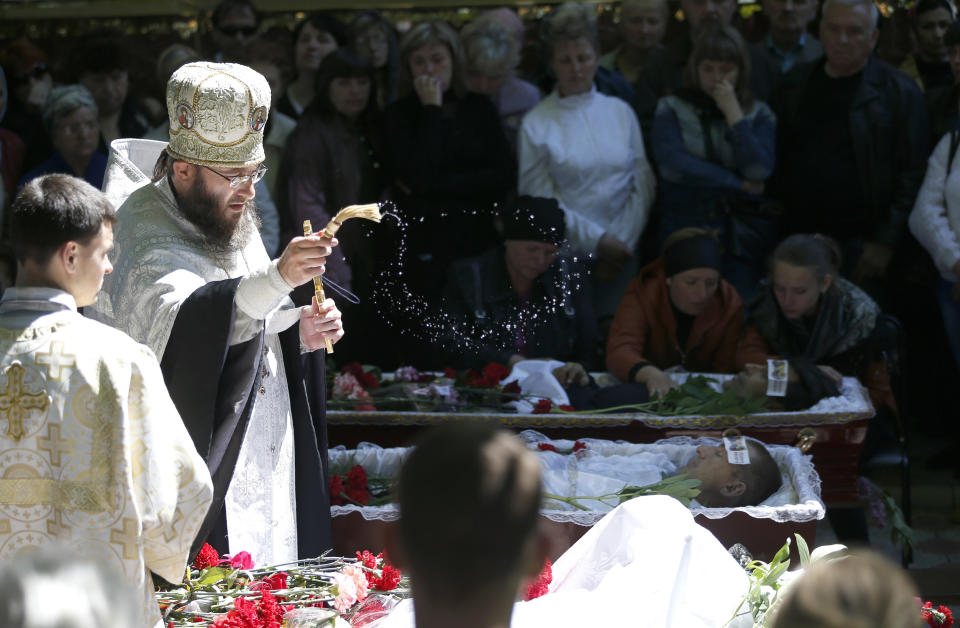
pixel 242 179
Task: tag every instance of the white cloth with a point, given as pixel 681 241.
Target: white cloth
pixel 536 379
pixel 646 563
pixel 106 465
pixel 935 219
pixel 587 152
pixel 159 260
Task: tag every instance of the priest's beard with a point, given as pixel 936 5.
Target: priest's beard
pixel 221 233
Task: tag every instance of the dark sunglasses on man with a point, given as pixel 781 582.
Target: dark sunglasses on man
pixel 36 73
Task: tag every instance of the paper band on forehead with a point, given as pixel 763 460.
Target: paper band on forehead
pixel 695 252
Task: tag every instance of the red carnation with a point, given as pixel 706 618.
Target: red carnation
pixel 367 559
pixel 426 378
pixel 577 446
pixel 510 392
pixel 206 557
pixel 567 407
pixel 541 585
pixel 496 371
pixel 335 483
pixel 546 447
pixel 543 407
pixel 942 616
pixel 388 580
pixel 359 495
pixel 449 373
pixel 357 477
pixel 277 580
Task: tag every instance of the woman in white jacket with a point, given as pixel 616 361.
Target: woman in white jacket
pixel 935 221
pixel 585 149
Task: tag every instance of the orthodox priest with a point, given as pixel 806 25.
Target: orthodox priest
pixel 193 281
pixel 92 451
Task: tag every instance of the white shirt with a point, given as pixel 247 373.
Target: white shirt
pixel 587 152
pixel 935 219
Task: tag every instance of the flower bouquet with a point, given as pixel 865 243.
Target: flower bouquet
pixel 365 388
pixel 229 592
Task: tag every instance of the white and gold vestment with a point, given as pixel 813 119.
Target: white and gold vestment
pixel 93 453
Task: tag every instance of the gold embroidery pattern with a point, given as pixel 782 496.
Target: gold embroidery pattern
pixel 54 444
pixel 16 402
pixel 55 360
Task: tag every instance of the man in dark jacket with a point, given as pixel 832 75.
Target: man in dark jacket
pixel 853 142
pixel 523 300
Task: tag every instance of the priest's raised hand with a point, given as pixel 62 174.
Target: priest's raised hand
pixel 305 258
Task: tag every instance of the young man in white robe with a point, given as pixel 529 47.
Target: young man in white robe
pixel 93 453
pixel 194 282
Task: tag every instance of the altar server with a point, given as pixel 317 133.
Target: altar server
pixel 92 451
pixel 194 282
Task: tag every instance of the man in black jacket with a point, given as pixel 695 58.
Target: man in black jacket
pixel 853 142
pixel 523 300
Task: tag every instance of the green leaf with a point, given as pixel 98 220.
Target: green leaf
pixel 214 575
pixel 781 554
pixel 802 550
pixel 771 578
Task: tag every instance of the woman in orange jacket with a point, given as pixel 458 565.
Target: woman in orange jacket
pixel 677 312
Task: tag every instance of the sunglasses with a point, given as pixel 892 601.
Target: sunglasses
pixel 37 73
pixel 233 31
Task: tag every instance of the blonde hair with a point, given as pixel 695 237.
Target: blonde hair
pixel 862 590
pixel 430 32
pixel 572 21
pixel 489 48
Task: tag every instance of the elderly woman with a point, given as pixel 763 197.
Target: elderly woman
pixel 492 55
pixel 70 117
pixel 714 146
pixel 586 150
pixel 643 25
pixel 929 65
pixel 677 312
pixel 314 38
pixel 451 161
pixel 372 36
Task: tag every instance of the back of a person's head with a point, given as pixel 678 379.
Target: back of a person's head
pixel 55 588
pixel 52 210
pixel 761 476
pixel 863 590
pixel 469 498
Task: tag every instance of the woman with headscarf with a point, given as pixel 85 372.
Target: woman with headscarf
pixel 679 311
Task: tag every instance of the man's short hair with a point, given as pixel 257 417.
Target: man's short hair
pixel 52 210
pixel 761 476
pixel 469 501
pixel 871 7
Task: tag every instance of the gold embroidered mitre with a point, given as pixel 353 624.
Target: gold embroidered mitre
pixel 217 114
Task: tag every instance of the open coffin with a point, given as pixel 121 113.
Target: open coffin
pixel 599 464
